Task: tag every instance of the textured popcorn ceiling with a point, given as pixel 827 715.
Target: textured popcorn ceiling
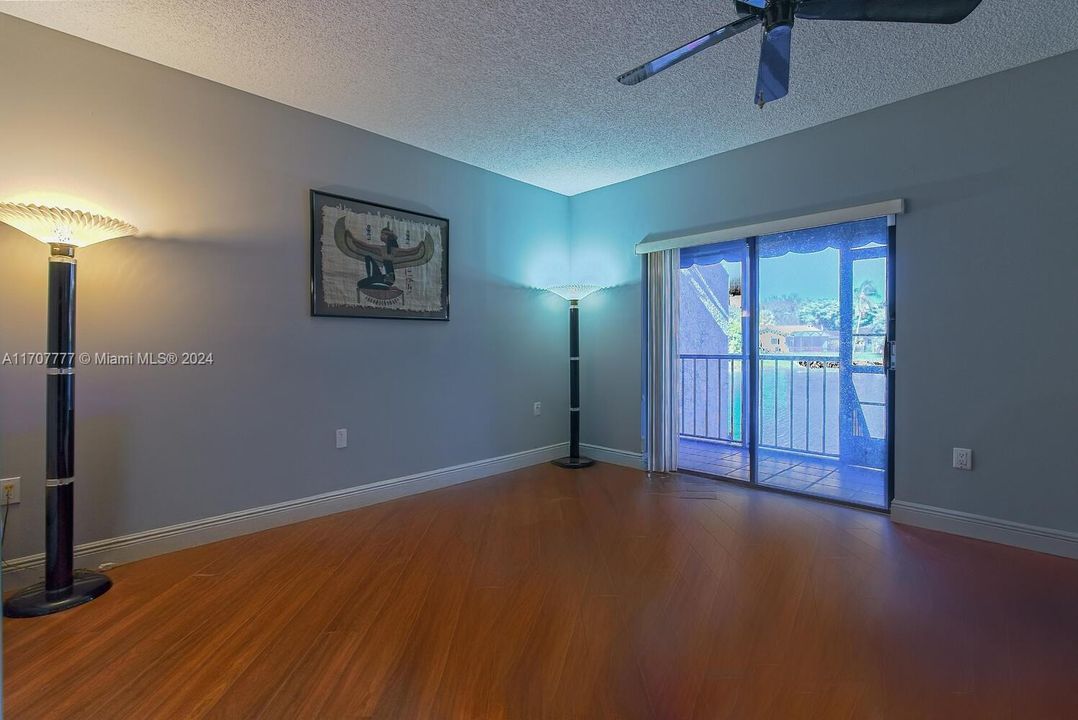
pixel 526 87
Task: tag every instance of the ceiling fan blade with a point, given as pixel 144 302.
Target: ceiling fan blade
pixel 773 79
pixel 685 51
pixel 912 11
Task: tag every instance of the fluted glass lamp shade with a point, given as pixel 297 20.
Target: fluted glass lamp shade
pixel 63 226
pixel 574 292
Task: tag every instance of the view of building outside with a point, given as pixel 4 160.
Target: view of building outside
pixel 799 345
pixel 710 344
pixel 705 310
pixel 821 387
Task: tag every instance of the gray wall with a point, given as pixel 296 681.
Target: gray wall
pixel 217 180
pixel 986 277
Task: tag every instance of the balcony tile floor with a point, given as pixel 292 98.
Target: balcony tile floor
pixel 820 476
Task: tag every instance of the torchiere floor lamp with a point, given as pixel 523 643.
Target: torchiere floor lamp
pixel 63 230
pixel 574 294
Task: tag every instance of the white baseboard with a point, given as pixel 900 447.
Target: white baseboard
pixel 1030 537
pixel 613 456
pixel 27 570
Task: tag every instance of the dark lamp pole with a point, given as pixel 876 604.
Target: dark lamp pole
pixel 63 587
pixel 574 294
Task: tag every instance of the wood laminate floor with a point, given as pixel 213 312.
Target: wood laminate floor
pixel 548 593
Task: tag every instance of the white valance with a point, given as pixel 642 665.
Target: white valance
pixel 888 208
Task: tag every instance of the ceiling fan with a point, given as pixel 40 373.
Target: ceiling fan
pixel 777 17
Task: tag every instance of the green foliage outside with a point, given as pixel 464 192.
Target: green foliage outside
pixel 869 311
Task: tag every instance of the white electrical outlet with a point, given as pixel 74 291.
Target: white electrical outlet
pixel 342 438
pixel 537 409
pixel 962 459
pixel 9 491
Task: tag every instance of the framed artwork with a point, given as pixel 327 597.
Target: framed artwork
pixel 374 261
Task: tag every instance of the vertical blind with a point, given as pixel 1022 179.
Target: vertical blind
pixel 662 419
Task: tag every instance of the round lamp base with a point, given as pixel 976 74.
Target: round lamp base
pixel 34 602
pixel 573 463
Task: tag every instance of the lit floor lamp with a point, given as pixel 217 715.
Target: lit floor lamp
pixel 63 230
pixel 574 294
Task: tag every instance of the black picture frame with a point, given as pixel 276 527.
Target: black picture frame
pixel 378 288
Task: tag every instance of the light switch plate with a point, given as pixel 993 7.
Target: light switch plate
pixel 342 438
pixel 537 409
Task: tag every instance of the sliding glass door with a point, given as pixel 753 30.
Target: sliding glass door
pixel 714 357
pixel 816 306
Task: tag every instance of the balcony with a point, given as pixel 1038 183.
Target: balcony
pixel 804 445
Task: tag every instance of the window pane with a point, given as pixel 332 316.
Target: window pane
pixel 799 308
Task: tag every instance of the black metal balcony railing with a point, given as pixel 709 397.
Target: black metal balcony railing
pixel 798 408
pixel 711 397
